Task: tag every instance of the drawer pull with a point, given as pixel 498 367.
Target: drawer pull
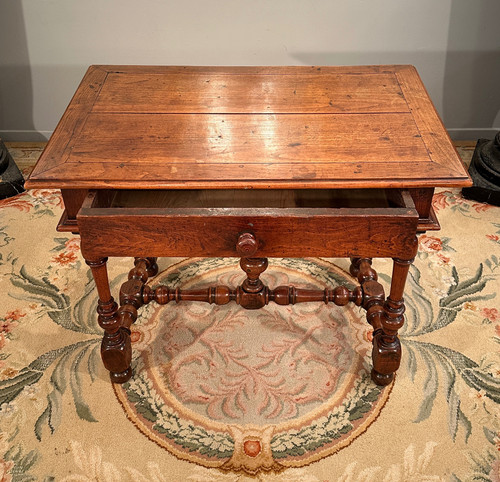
pixel 247 245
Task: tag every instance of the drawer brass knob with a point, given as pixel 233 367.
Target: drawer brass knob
pixel 247 245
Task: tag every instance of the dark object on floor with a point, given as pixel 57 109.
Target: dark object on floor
pixel 11 179
pixel 485 172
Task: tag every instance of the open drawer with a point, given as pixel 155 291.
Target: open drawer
pixel 286 223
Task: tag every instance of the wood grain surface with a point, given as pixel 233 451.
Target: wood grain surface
pixel 285 232
pixel 249 127
pixel 248 93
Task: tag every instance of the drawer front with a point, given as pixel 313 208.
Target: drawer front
pixel 212 232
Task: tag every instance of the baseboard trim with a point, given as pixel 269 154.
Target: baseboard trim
pixel 473 134
pixel 25 136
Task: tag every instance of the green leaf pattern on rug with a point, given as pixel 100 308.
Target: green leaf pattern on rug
pixel 20 463
pixel 486 465
pixel 443 363
pixel 41 290
pixel 78 317
pixel 140 391
pixel 69 361
pixel 330 427
pixel 5 239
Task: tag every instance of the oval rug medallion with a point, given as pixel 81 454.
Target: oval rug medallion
pixel 251 390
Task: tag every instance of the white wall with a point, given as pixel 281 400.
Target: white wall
pixel 46 46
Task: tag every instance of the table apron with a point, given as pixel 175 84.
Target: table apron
pixel 371 233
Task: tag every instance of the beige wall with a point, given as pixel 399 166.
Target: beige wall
pixel 46 46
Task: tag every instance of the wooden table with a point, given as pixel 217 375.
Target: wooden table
pixel 254 162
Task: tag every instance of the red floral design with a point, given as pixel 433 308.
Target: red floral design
pixel 6 326
pixel 444 199
pixel 65 258
pixel 135 336
pixel 14 315
pixel 5 470
pixel 68 251
pixel 440 200
pixel 73 245
pixel 47 196
pixel 493 237
pixel 490 313
pixel 31 199
pixel 252 448
pixel 19 202
pixel 9 373
pixel 482 207
pixel 430 244
pixel 444 259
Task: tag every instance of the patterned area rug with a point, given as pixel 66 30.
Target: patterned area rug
pixel 224 394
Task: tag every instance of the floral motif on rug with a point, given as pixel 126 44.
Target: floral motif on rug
pixel 252 390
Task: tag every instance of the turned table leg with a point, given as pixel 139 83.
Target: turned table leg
pixel 386 345
pixel 116 349
pixel 355 265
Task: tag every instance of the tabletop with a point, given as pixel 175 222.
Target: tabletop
pixel 149 127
